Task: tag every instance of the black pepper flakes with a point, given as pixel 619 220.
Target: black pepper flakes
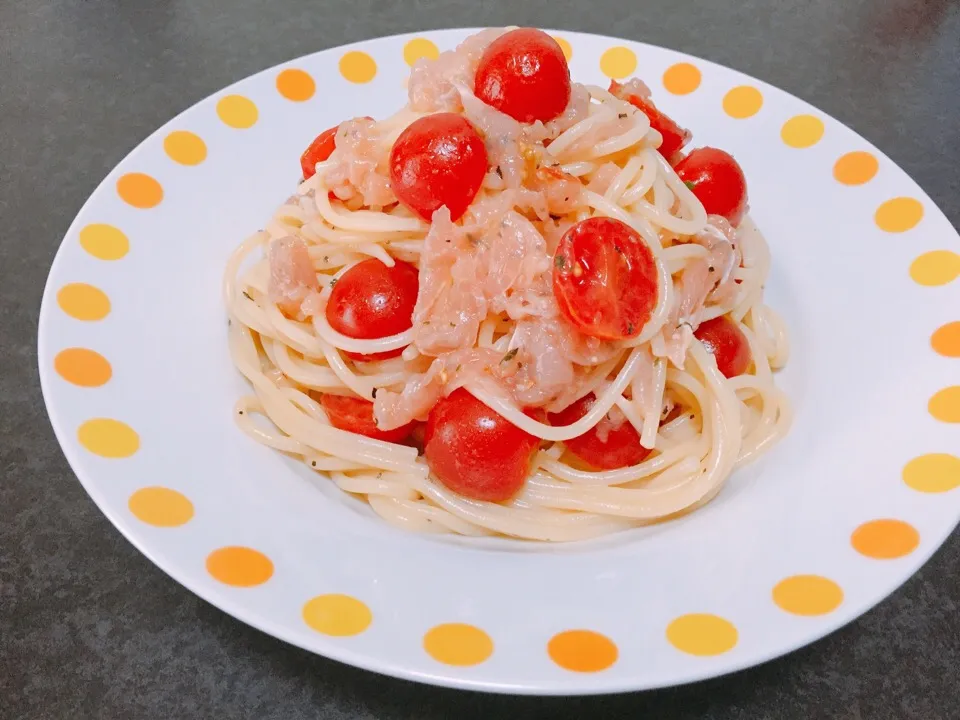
pixel 247 296
pixel 374 393
pixel 510 355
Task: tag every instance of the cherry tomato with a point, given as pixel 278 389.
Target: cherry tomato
pixel 674 136
pixel 622 447
pixel 726 342
pixel 718 182
pixel 475 452
pixel 318 151
pixel 524 74
pixel 356 416
pixel 371 300
pixel 438 160
pixel 605 279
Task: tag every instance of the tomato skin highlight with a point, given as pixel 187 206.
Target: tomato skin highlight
pixel 371 300
pixel 438 160
pixel 356 416
pixel 525 75
pixel 726 342
pixel 319 150
pixel 622 448
pixel 474 451
pixel 674 136
pixel 718 182
pixel 605 279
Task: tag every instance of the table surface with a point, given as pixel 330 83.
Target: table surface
pixel 90 628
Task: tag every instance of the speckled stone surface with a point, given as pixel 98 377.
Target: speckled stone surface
pixel 90 629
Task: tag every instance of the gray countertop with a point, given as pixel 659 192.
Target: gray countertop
pixel 90 628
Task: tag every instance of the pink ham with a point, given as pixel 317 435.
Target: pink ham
pixel 292 277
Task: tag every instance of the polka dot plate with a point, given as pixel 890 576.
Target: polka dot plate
pixel 140 390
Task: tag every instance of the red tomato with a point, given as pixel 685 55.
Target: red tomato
pixel 524 74
pixel 438 160
pixel 475 452
pixel 674 136
pixel 318 151
pixel 718 182
pixel 622 447
pixel 726 342
pixel 356 416
pixel 371 300
pixel 605 279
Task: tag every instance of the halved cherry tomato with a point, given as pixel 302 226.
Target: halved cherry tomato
pixel 524 74
pixel 474 451
pixel 622 447
pixel 718 182
pixel 356 416
pixel 318 151
pixel 438 160
pixel 674 136
pixel 726 342
pixel 605 279
pixel 371 300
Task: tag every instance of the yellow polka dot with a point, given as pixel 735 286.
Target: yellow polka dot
pixel 139 190
pixel 458 644
pixel 296 85
pixel 185 148
pixel 742 102
pixel 702 634
pixel 339 615
pixel 419 48
pixel 83 302
pixel 358 67
pixel 802 131
pixel 237 111
pixel 108 438
pixel 899 214
pixel 855 168
pixel 565 46
pixel 104 242
pixel 933 473
pixel 82 367
pixel 937 267
pixel 682 78
pixel 618 62
pixel 945 405
pixel 161 507
pixel 582 651
pixel 946 340
pixel 885 539
pixel 239 566
pixel 807 595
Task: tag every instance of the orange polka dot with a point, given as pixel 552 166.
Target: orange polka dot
pixel 420 48
pixel 565 47
pixel 807 595
pixel 337 615
pixel 161 507
pixel 934 268
pixel 945 405
pixel 239 566
pixel 139 190
pixel 104 242
pixel 83 302
pixel 885 539
pixel 82 367
pixel 946 340
pixel 296 85
pixel 855 168
pixel 933 473
pixel 802 131
pixel 899 214
pixel 618 62
pixel 185 147
pixel 458 644
pixel 237 112
pixel 742 102
pixel 682 78
pixel 108 438
pixel 582 651
pixel 358 67
pixel 702 634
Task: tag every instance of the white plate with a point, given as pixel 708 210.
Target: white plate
pixel 139 387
